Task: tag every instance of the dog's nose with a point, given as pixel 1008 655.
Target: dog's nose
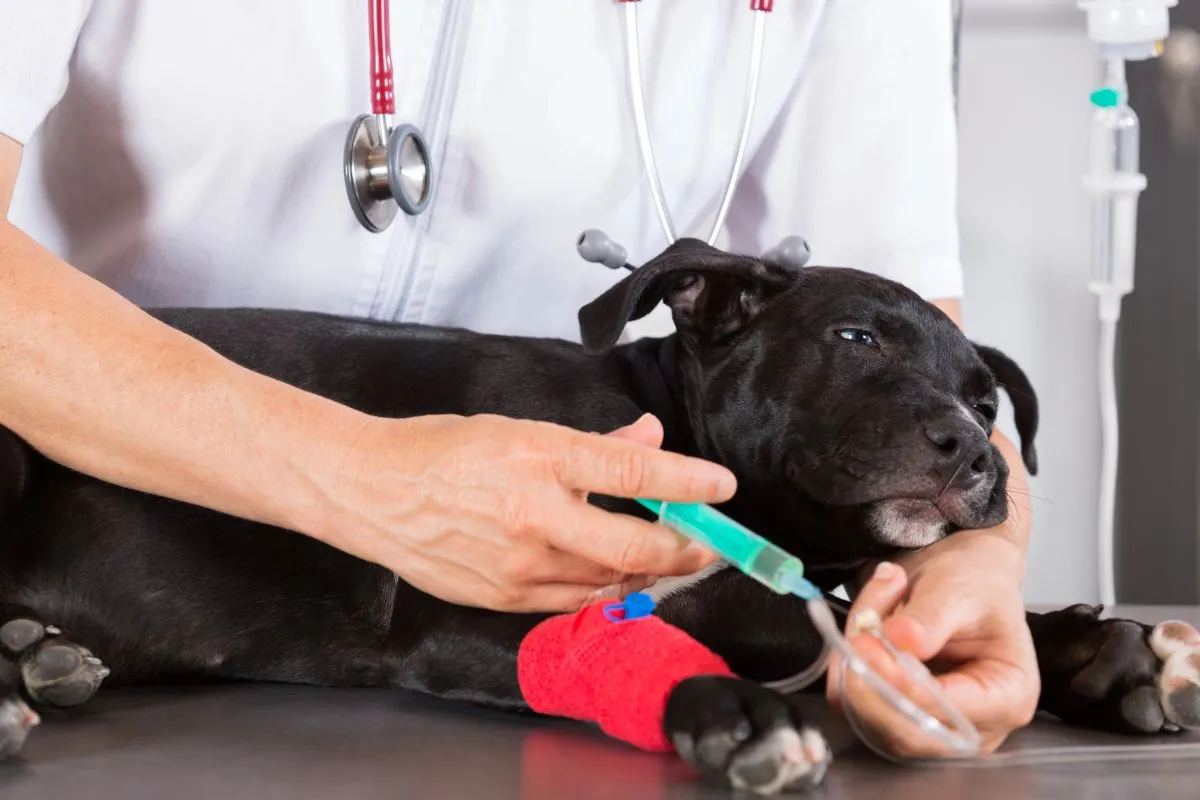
pixel 961 452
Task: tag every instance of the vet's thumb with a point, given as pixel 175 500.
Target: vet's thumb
pixel 646 430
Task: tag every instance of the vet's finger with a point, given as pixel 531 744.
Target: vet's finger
pixel 567 597
pixel 558 566
pixel 934 612
pixel 613 466
pixel 646 430
pixel 625 544
pixel 620 591
pixel 992 695
pixel 878 597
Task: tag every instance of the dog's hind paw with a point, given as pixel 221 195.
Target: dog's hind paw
pixel 56 671
pixel 1117 674
pixel 749 737
pixel 1177 645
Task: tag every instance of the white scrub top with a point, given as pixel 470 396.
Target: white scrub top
pixel 190 153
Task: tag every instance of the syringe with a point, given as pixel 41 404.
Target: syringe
pixel 768 564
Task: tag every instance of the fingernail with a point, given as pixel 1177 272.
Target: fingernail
pixel 727 485
pixel 885 571
pixel 866 620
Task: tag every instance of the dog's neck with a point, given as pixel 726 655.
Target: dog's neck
pixel 655 371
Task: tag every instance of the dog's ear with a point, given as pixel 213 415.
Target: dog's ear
pixel 1024 399
pixel 712 295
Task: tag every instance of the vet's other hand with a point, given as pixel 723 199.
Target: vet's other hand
pixel 491 512
pixel 957 607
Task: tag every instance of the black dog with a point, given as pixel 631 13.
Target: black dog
pixel 855 415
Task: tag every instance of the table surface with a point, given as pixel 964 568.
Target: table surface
pixel 268 742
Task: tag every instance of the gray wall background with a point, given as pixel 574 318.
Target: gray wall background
pixel 1026 71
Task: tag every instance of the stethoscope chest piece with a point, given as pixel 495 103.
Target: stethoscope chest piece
pixel 385 167
pixel 386 171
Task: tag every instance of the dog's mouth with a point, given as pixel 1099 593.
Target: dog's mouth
pixel 908 522
pixel 914 522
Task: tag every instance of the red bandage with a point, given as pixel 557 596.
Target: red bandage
pixel 617 673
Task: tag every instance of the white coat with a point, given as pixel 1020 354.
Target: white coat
pixel 190 153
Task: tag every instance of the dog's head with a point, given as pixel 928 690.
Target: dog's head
pixel 856 415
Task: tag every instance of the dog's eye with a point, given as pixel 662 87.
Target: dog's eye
pixel 987 411
pixel 858 335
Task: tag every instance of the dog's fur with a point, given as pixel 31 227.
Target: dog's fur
pixel 855 415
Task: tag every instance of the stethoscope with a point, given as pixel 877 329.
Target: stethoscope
pixel 596 246
pixel 385 167
pixel 389 167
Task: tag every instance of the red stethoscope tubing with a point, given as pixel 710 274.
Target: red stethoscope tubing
pixel 383 97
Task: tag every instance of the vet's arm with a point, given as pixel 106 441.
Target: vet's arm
pixel 1017 527
pixel 483 511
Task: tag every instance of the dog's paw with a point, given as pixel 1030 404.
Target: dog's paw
pixel 1117 674
pixel 1177 645
pixel 56 671
pixel 745 735
pixel 16 718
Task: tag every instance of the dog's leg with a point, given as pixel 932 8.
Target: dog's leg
pixel 730 729
pixel 54 670
pixel 1117 674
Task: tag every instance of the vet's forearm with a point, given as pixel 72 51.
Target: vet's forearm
pixel 100 386
pixel 1020 510
pixel 1016 528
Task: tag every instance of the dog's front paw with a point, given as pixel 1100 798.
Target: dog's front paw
pixel 1117 674
pixel 56 671
pixel 745 735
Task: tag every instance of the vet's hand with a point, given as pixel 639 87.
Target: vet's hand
pixel 490 511
pixel 957 606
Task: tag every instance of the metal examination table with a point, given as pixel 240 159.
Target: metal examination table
pixel 299 743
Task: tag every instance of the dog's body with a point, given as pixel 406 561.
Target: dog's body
pixel 847 448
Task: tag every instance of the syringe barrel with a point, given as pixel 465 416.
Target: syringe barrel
pixel 704 524
pixel 738 545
